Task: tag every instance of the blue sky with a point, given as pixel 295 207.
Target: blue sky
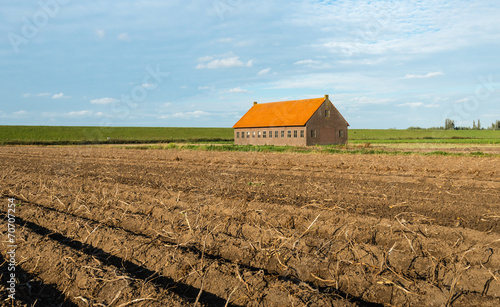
pixel 385 64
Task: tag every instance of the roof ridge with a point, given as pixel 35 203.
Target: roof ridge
pixel 291 100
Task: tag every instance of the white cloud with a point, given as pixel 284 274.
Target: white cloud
pixel 36 95
pixel 363 100
pixel 123 37
pixel 411 104
pixel 229 62
pixel 462 100
pixel 432 105
pixel 206 87
pixel 149 86
pixel 206 58
pixel 363 61
pixel 307 62
pixel 189 115
pixel 429 75
pixel 264 71
pixel 79 113
pixel 418 104
pixel 305 81
pixel 399 28
pixel 72 114
pixel 100 33
pixel 437 99
pixel 243 44
pixel 105 100
pixel 327 81
pixel 20 113
pixel 349 48
pixel 225 40
pixel 237 90
pixel 59 96
pixel 42 94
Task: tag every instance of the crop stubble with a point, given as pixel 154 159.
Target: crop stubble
pixel 117 227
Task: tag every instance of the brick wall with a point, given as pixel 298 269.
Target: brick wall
pixel 327 128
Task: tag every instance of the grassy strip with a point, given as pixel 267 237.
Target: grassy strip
pixel 430 135
pixel 453 140
pixel 330 149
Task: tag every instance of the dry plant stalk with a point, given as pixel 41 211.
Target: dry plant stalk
pixel 313 222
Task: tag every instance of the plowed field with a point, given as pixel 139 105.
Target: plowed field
pixel 121 227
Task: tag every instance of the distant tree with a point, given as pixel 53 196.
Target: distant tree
pixel 474 127
pixel 478 124
pixel 449 124
pixel 494 126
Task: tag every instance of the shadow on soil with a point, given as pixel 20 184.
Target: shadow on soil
pixel 29 290
pixel 132 269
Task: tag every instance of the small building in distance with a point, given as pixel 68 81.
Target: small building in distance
pixel 296 122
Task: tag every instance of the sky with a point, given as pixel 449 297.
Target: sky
pixel 384 64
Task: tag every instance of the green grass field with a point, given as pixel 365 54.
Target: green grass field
pixel 54 135
pixel 380 136
pixel 109 135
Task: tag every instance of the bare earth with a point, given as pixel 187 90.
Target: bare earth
pixel 120 227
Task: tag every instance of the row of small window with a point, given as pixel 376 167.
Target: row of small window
pixel 264 134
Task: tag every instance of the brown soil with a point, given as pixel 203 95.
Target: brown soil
pixel 117 227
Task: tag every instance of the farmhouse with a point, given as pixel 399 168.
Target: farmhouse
pixel 297 122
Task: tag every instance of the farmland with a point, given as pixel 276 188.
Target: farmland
pixel 115 226
pixel 54 135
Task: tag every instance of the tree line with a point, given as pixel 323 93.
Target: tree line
pixel 450 125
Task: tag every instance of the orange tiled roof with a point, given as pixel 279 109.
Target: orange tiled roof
pixel 279 114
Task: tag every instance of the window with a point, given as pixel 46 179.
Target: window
pixel 327 113
pixel 276 133
pixel 282 133
pixel 313 133
pixel 270 134
pixel 341 133
pixel 242 134
pixel 294 133
pixel 253 134
pixel 248 134
pixel 259 134
pixel 301 133
pixel 238 135
pixel 289 133
pixel 263 134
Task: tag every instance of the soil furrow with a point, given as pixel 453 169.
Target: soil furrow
pixel 298 264
pixel 82 274
pixel 180 270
